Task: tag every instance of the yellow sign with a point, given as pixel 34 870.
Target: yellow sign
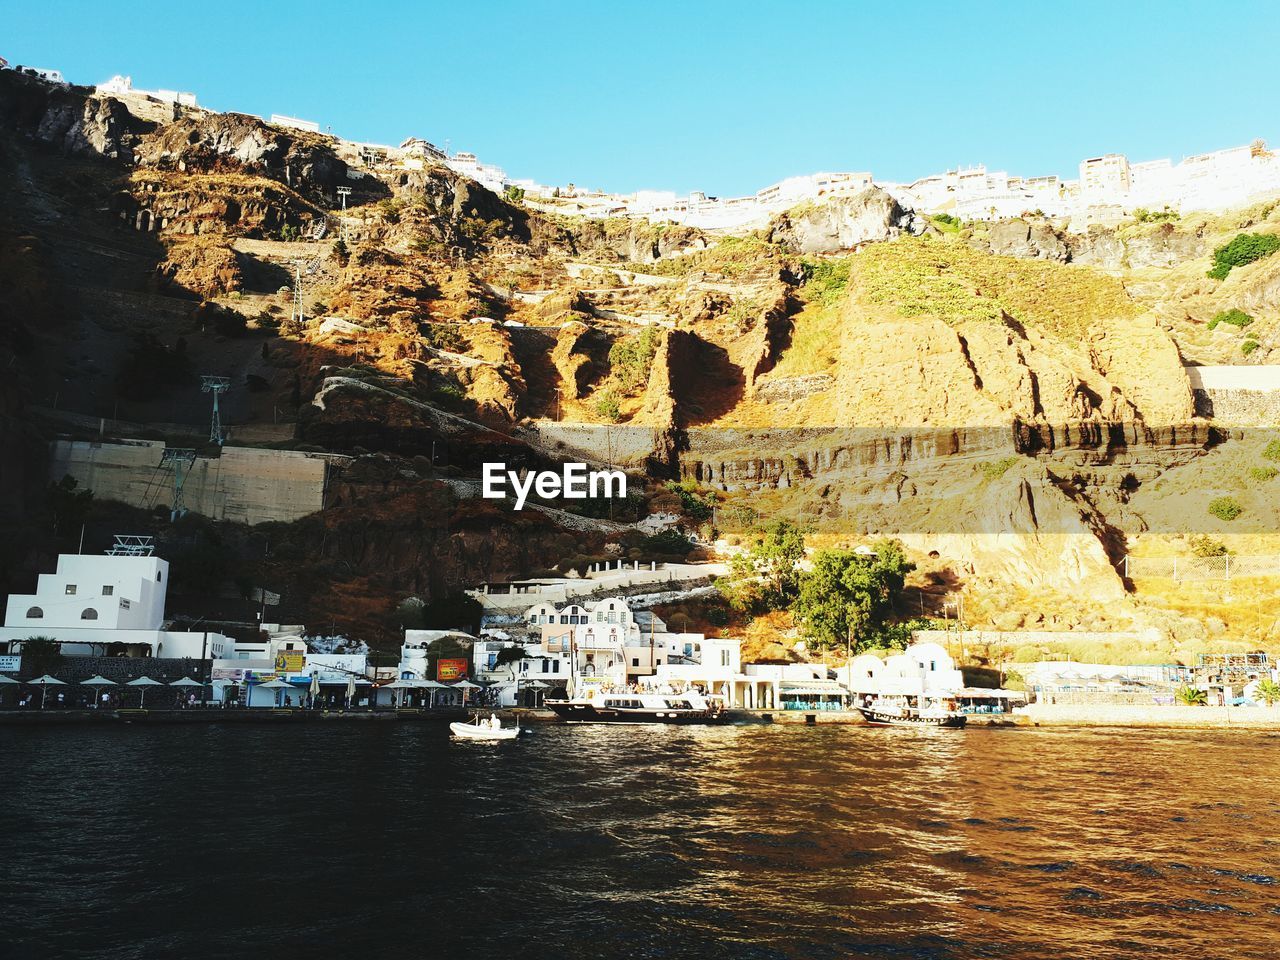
pixel 290 662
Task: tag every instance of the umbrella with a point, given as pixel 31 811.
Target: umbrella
pixel 98 680
pixel 43 683
pixel 464 686
pixel 276 684
pixel 143 682
pixel 351 690
pixel 186 682
pixel 313 689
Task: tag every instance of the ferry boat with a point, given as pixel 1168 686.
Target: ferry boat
pixel 911 711
pixel 598 706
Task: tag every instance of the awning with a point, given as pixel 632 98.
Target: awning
pixel 988 693
pixel 813 688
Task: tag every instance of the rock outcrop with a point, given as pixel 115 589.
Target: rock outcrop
pixel 843 223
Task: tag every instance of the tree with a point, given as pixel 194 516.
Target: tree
pixel 1268 691
pixel 765 577
pixel 69 507
pixel 510 655
pixel 1191 696
pixel 848 595
pixel 41 654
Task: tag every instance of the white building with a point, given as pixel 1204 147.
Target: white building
pixel 280 120
pixel 119 86
pixel 105 605
pixel 486 174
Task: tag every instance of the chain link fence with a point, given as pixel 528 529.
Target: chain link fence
pixel 1225 567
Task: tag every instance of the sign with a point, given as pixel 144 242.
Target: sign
pixel 451 670
pixel 290 662
pixel 10 664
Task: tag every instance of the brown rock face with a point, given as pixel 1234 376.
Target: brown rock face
pixel 1141 359
pixel 200 267
pixel 843 223
pixel 572 359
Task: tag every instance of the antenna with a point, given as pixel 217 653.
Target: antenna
pixel 129 545
pixel 178 456
pixel 216 386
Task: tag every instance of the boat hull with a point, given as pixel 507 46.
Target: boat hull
pixel 879 718
pixel 571 712
pixel 469 731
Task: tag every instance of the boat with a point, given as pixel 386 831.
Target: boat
pixel 911 711
pixel 598 706
pixel 482 729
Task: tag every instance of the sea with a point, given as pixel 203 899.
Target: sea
pixel 761 842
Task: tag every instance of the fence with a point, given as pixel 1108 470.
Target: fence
pixel 1224 567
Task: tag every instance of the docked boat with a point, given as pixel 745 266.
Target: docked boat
pixel 482 729
pixel 911 711
pixel 598 706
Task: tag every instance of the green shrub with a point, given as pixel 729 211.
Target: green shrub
pixel 1206 546
pixel 1225 508
pixel 1237 318
pixel 1263 474
pixel 1272 451
pixel 1244 249
pixel 609 406
pixel 1143 215
pixel 994 470
pixel 630 357
pixel 1249 346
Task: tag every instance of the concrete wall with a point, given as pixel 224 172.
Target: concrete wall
pixel 1094 715
pixel 1235 377
pixel 1243 394
pixel 1251 408
pixel 244 484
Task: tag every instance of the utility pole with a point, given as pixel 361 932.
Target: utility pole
pixel 343 193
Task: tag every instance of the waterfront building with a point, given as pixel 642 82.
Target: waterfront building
pixel 110 605
pixel 1102 684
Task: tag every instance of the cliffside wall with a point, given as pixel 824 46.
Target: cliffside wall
pixel 244 485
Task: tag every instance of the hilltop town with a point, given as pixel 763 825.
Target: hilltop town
pixel 285 357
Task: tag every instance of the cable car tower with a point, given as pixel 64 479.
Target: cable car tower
pixel 215 385
pixel 180 457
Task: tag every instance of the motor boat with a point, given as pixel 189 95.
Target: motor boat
pixel 911 711
pixel 599 706
pixel 481 728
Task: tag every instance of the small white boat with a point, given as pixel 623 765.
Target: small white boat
pixel 481 729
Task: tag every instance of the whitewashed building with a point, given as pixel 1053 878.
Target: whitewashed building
pixel 105 605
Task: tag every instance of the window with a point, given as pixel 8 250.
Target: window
pixel 635 661
pixel 89 614
pixel 35 613
pixel 71 589
pixel 124 604
pixel 724 658
pixel 555 666
pixel 659 663
pixel 157 576
pixel 108 589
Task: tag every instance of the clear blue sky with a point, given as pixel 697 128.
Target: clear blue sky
pixel 721 95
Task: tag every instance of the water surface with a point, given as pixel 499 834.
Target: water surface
pixel 387 840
